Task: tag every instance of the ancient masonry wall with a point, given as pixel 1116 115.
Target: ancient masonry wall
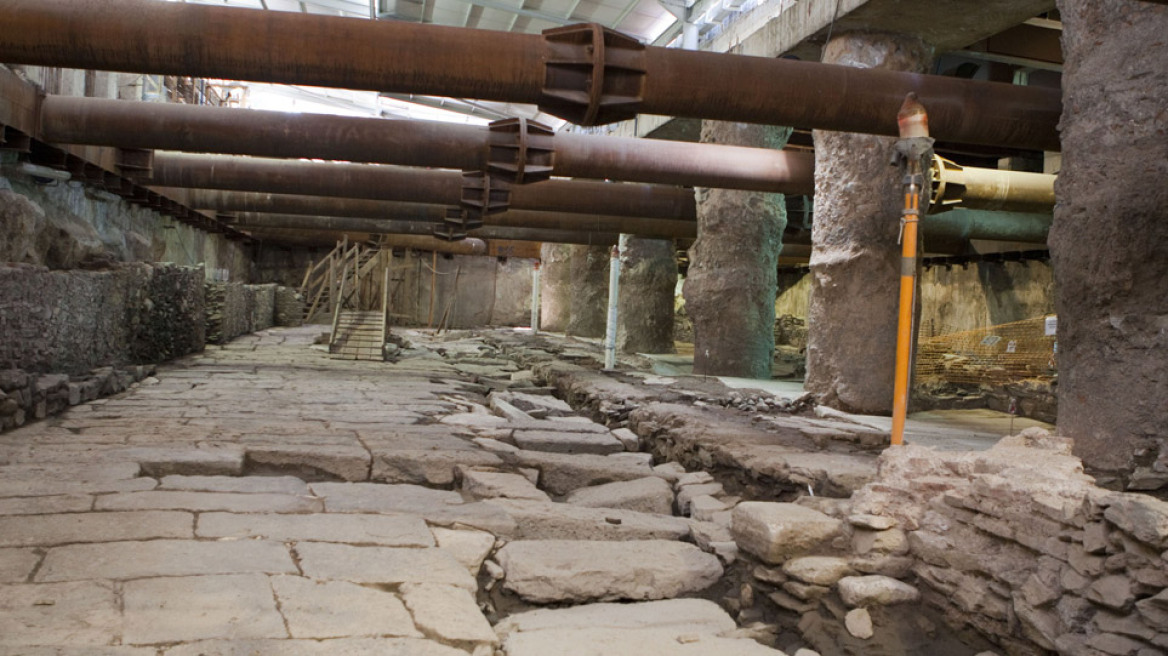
pixel 72 336
pixel 1019 545
pixel 71 321
pixel 233 309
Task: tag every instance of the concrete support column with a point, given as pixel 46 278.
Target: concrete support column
pixel 730 289
pixel 647 281
pixel 589 291
pixel 1109 241
pixel 855 259
pixel 556 287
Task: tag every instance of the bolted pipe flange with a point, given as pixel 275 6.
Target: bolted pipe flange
pixel 461 219
pixel 135 163
pixel 447 232
pixel 593 75
pixel 483 194
pixel 514 156
pixel 948 184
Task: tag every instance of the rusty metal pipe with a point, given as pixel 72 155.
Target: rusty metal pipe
pixel 235 201
pixel 550 70
pixel 413 185
pixel 202 129
pixel 657 228
pixel 388 227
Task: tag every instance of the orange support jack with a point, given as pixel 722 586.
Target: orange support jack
pixel 913 147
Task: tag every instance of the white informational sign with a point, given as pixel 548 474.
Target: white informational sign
pixel 1051 326
pixel 1011 346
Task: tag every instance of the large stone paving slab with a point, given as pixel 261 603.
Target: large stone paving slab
pixel 382 565
pixel 208 501
pixel 339 609
pixel 441 507
pixel 448 613
pixel 17 564
pixel 343 647
pixel 82 613
pixel 131 560
pixel 64 503
pixel 380 530
pixel 548 571
pixel 247 484
pixel 536 520
pixel 48 530
pixel 168 610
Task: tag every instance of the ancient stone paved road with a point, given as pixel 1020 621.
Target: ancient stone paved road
pixel 226 507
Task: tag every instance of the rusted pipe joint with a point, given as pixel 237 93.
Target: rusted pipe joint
pixel 593 75
pixel 483 194
pixel 520 151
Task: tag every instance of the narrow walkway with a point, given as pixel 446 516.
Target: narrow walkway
pixel 263 498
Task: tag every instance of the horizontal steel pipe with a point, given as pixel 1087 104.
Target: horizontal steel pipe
pixel 990 189
pixel 413 185
pixel 962 224
pixel 236 201
pixel 383 227
pixel 147 36
pixel 515 219
pixel 202 129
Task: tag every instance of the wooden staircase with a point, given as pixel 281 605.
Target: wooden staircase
pixel 352 284
pixel 359 335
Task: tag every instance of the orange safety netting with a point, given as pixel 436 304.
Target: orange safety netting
pixel 991 355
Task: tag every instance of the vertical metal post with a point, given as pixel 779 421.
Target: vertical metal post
pixel 914 147
pixel 613 297
pixel 535 298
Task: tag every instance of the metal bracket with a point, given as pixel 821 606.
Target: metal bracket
pixel 135 163
pixel 593 75
pixel 514 156
pixel 446 232
pixel 460 218
pixel 483 194
pixel 948 184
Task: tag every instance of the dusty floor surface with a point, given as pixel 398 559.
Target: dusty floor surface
pixel 263 498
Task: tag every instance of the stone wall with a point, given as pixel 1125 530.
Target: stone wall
pixel 233 309
pixel 1019 544
pixel 25 396
pixel 71 321
pixel 1013 550
pixel 290 308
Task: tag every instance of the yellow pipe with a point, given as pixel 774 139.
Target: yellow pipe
pixel 989 189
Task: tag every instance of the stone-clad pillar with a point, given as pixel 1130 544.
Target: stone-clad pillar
pixel 589 291
pixel 855 259
pixel 1109 241
pixel 730 289
pixel 648 278
pixel 555 296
